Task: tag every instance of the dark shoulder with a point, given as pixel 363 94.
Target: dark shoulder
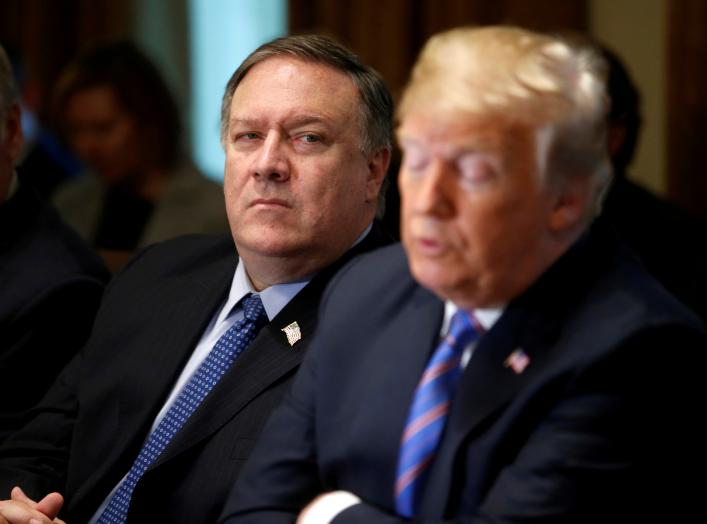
pixel 602 293
pixel 371 280
pixel 183 254
pixel 382 265
pixel 41 243
pixel 636 290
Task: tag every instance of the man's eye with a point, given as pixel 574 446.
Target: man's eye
pixel 475 170
pixel 247 136
pixel 311 138
pixel 414 159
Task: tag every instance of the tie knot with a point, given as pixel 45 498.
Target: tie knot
pixel 253 309
pixel 464 329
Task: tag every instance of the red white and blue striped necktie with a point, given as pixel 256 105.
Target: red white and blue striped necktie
pixel 428 412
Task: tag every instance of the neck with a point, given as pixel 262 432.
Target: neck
pixel 269 271
pixel 266 270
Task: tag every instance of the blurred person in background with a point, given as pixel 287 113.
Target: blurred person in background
pixel 670 242
pixel 119 117
pixel 50 280
pixel 45 162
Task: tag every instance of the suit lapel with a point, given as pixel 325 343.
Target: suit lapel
pixel 381 409
pixel 486 387
pixel 264 362
pixel 268 359
pixel 184 306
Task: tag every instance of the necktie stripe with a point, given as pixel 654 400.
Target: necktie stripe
pixel 439 369
pixel 411 474
pixel 422 447
pixel 425 419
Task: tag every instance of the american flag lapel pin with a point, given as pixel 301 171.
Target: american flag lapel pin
pixel 293 333
pixel 518 360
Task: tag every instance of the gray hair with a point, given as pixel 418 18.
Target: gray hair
pixel 8 89
pixel 376 107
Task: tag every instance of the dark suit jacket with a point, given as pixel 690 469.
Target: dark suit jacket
pixel 97 416
pixel 670 242
pixel 602 426
pixel 50 287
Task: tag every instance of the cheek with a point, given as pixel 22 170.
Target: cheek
pixel 233 173
pixel 232 192
pixel 504 237
pixel 328 186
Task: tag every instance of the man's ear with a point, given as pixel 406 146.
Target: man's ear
pixel 571 205
pixel 378 163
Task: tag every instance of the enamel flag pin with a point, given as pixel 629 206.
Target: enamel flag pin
pixel 293 333
pixel 517 361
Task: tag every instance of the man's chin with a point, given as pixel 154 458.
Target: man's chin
pixel 443 282
pixel 431 276
pixel 273 247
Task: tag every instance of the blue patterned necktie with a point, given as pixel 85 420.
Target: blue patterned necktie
pixel 428 412
pixel 219 360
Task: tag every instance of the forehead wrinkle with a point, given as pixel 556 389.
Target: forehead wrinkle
pixel 297 120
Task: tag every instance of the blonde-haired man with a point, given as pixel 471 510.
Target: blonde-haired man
pixel 512 363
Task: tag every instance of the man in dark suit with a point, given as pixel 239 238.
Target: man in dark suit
pixel 50 281
pixel 513 363
pixel 307 133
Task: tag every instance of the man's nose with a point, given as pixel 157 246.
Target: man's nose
pixel 272 162
pixel 433 195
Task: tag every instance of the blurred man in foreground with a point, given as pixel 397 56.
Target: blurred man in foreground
pixel 155 419
pixel 513 363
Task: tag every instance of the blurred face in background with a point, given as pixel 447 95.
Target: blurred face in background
pixel 103 134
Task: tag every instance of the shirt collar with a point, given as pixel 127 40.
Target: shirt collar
pixel 275 297
pixel 487 317
pixel 363 235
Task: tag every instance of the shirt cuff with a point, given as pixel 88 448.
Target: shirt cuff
pixel 326 507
